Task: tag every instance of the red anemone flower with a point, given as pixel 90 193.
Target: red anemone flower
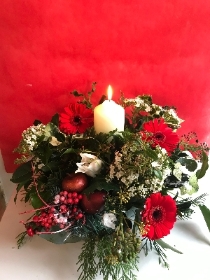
pixel 159 133
pixel 159 215
pixel 76 118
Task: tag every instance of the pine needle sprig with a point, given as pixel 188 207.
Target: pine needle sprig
pixel 21 239
pixel 199 200
pixel 86 260
pixel 109 264
pixel 53 184
pixel 162 255
pixel 184 210
pixel 149 245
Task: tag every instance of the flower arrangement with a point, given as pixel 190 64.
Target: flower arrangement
pixel 118 191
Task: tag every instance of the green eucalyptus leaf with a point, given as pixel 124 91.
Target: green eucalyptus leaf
pixel 23 173
pixel 205 165
pixel 100 184
pixel 164 245
pixel 206 215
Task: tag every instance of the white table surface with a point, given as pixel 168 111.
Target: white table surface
pixel 39 259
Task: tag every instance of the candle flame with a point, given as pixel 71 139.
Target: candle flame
pixel 109 92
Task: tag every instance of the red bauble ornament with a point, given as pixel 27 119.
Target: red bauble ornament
pixel 94 202
pixel 75 182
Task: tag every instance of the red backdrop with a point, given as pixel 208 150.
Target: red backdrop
pixel 49 48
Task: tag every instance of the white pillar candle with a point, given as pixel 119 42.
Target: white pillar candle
pixel 109 116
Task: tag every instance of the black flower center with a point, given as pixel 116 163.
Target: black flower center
pixel 157 215
pixel 76 120
pixel 159 136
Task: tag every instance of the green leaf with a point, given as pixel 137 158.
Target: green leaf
pixel 50 129
pixel 51 166
pixel 158 174
pixel 100 184
pixel 18 188
pixel 152 154
pixel 205 165
pixel 36 202
pixel 24 184
pixel 36 122
pixel 22 174
pixel 206 215
pixel 55 119
pixel 93 144
pixel 47 154
pixel 60 136
pixel 164 245
pixel 190 164
pixel 70 151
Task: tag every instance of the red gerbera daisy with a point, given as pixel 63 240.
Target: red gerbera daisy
pixel 159 215
pixel 76 118
pixel 160 134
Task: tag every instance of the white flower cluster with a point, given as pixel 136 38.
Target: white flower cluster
pixel 138 102
pixel 31 134
pixel 38 163
pixel 169 114
pixel 138 173
pixel 191 185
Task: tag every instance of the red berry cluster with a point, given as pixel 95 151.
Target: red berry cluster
pixel 66 197
pixel 64 212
